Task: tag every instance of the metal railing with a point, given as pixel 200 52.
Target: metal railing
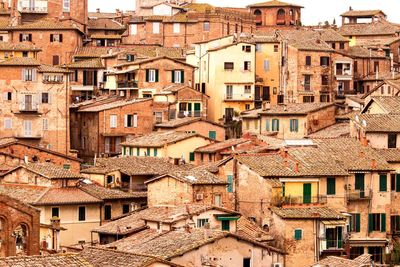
pixel 356 194
pixel 234 97
pixel 127 84
pixel 292 200
pixel 184 114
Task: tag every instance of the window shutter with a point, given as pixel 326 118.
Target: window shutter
pixel 191 156
pixel 397 182
pixel 156 76
pixel 383 182
pixel 266 65
pixel 297 234
pixel 84 77
pixel 30 37
pixel 34 75
pixel 173 77
pixel 61 38
pixel 147 75
pixel 51 37
pixel 296 123
pixel 212 134
pixel 331 183
pixel 138 151
pixel 230 183
pixel 49 97
pixel 383 222
pixel 20 37
pixel 370 223
pixel 182 76
pixel 267 125
pixel 357 222
pixel 291 125
pixel 155 152
pixel 135 120
pixel 23 75
pixel 125 120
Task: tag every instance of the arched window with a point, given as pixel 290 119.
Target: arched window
pixel 280 20
pixel 258 15
pixel 21 240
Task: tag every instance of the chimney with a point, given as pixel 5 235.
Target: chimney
pixel 374 164
pixel 98 10
pixel 350 8
pixel 55 223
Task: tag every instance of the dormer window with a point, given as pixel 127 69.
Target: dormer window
pixel 25 37
pixel 56 38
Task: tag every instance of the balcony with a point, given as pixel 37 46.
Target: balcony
pixel 238 97
pixel 343 71
pixel 331 244
pixel 83 87
pixel 28 107
pixel 36 6
pixel 184 114
pixel 356 195
pixel 127 84
pixel 295 200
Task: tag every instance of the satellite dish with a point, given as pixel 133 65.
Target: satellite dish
pixel 364 123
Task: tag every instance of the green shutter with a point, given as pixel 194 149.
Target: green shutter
pixel 173 77
pixel 340 237
pixel 291 125
pixel 296 125
pixel 212 135
pixel 370 223
pixel 331 186
pixel 357 222
pixel 267 125
pixel 191 156
pixel 297 234
pixel 230 183
pixel 148 152
pixel 383 182
pixel 182 76
pixel 277 125
pixel 156 76
pixel 138 152
pixel 397 182
pixel 155 152
pixel 383 222
pixel 225 225
pixel 147 75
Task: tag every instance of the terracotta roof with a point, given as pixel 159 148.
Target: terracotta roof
pixel 307 213
pixel 379 123
pixel 390 154
pixel 334 261
pixel 362 52
pixel 106 36
pixel 7 46
pixel 51 69
pixel 103 193
pixel 20 61
pixel 143 61
pixel 96 51
pixel 26 193
pixel 391 104
pixel 86 64
pixel 116 103
pixel 160 139
pixel 249 229
pixel 70 260
pixel 50 171
pixel 105 24
pixel 135 166
pixel 66 196
pixel 334 131
pixel 295 108
pixel 351 155
pixel 374 28
pixel 215 147
pixel 45 24
pixel 274 3
pixel 185 121
pixel 195 177
pixel 362 13
pixel 99 257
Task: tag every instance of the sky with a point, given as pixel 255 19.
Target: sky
pixel 314 10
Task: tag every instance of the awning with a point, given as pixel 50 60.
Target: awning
pixel 334 224
pixel 227 218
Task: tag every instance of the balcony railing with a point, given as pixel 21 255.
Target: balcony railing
pixel 239 97
pixel 31 107
pixel 135 188
pixel 184 114
pixel 354 195
pixel 329 244
pixel 294 200
pixel 127 84
pixel 29 6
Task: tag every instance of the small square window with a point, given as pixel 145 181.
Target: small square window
pixel 298 234
pixel 276 47
pixel 228 65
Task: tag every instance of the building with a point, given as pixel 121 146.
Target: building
pixel 291 121
pixel 71 260
pixel 20 228
pixel 276 14
pixel 35 104
pixel 98 127
pixel 174 145
pixel 9 50
pixel 387 87
pixel 352 16
pixel 195 186
pixel 334 261
pixel 227 75
pixel 194 125
pixel 105 32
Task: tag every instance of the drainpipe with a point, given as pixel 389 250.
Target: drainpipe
pixel 236 183
pixel 68 114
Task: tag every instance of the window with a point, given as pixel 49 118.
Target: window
pixel 331 186
pixel 354 222
pixel 246 48
pixel 324 80
pixel 247 89
pixel 395 224
pixel 201 222
pixel 45 124
pixel 27 128
pixel 228 65
pixel 125 208
pixel 376 66
pixel 7 96
pixel 178 76
pixel 151 75
pixel 113 121
pixel 333 45
pixel 82 214
pixel 266 65
pixel 25 54
pixel 275 125
pixel 29 75
pixel 341 45
pixel 133 29
pixel 247 106
pixel 377 222
pixel 217 200
pixel 308 99
pixel 298 234
pixel 246 262
pixel 276 47
pixel 191 156
pixel 206 26
pixel 324 61
pixel 212 135
pixel 56 38
pixel 225 225
pixel 159 117
pixel 247 65
pixel 110 179
pixel 7 123
pixel 66 5
pixel 45 98
pixel 130 121
pixel 392 140
pixel 308 60
pixel 294 125
pixel 55 212
pixel 382 182
pixel 156 27
pixel 25 37
pixel 230 183
pixel 56 60
pixel 307 82
pixel 177 27
pixel 107 212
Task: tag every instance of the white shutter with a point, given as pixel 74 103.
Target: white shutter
pixel 5 96
pixel 107 145
pixel 34 75
pixel 125 121
pixel 266 65
pixel 22 102
pixel 135 120
pixel 7 123
pixel 49 97
pixel 113 121
pixel 23 74
pixel 27 128
pixel 45 124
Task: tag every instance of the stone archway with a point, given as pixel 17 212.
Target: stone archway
pixel 3 237
pixel 21 236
